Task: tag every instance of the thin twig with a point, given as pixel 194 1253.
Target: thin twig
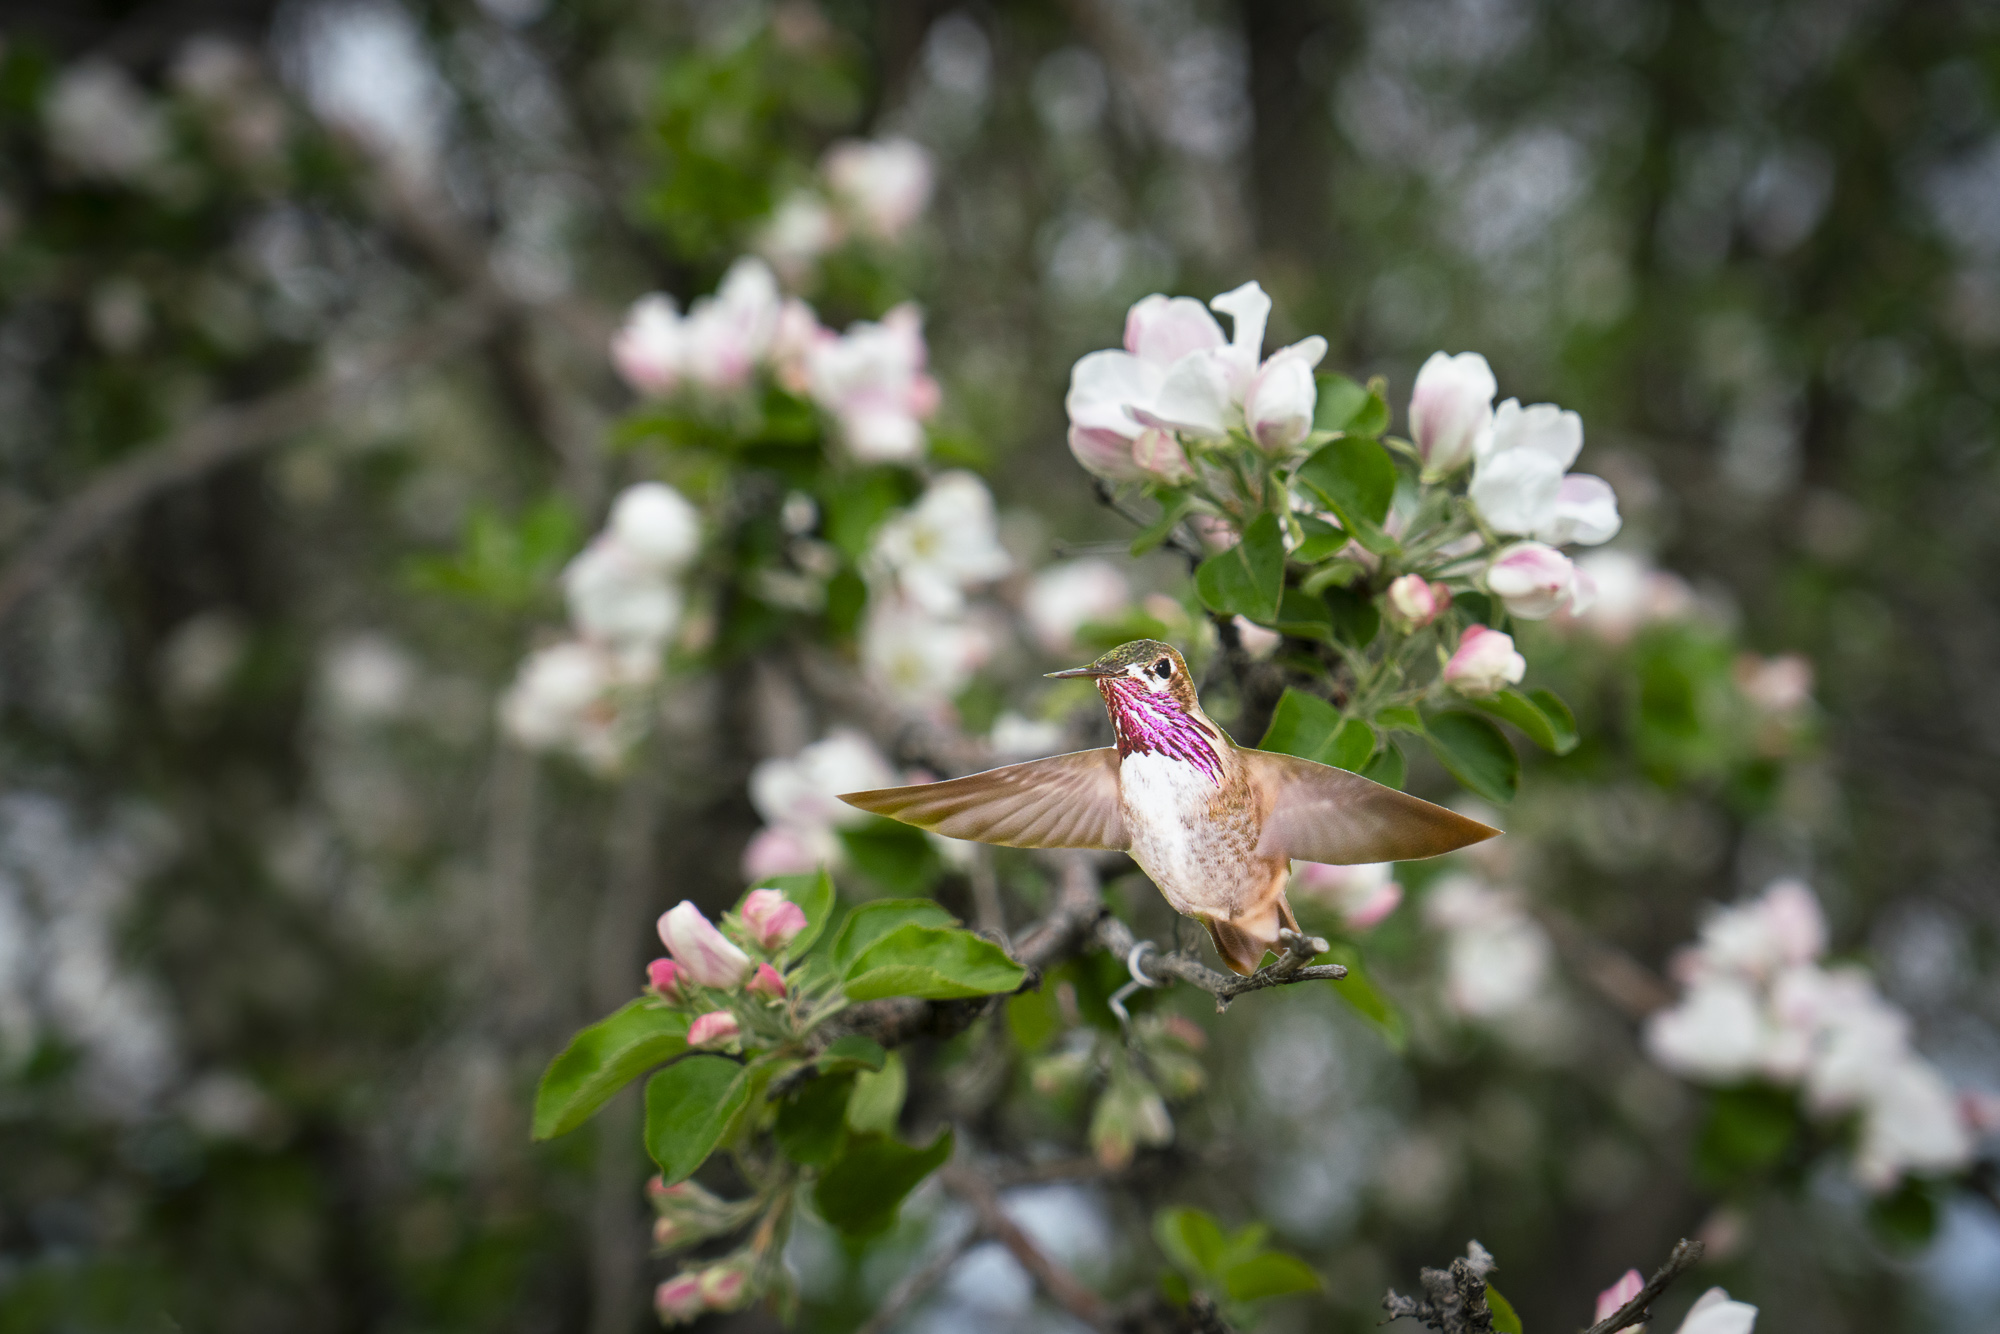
pixel 224 435
pixel 1291 967
pixel 1640 1309
pixel 916 1285
pixel 1063 1287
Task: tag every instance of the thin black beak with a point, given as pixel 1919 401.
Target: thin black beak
pixel 1080 671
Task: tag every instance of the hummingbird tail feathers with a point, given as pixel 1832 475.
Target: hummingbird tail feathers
pixel 1244 940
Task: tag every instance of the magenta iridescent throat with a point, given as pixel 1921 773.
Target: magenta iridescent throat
pixel 1156 724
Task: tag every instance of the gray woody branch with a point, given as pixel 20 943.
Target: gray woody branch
pixel 1454 1299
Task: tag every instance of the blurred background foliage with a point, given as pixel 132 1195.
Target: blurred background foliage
pixel 287 933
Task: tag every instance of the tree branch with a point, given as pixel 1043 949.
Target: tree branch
pixel 1455 1298
pixel 224 435
pixel 1294 965
pixel 915 1285
pixel 1640 1308
pixel 1063 1287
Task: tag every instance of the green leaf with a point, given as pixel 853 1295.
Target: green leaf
pixel 812 1119
pixel 688 1106
pixel 1504 1319
pixel 1356 619
pixel 1908 1217
pixel 1302 725
pixel 870 922
pixel 1173 506
pixel 1303 616
pixel 1387 767
pixel 861 1191
pixel 878 1098
pixel 1322 540
pixel 1191 1239
pixel 1340 401
pixel 853 1052
pixel 1249 578
pixel 1561 720
pixel 1373 419
pixel 932 963
pixel 604 1058
pixel 813 892
pixel 1356 479
pixel 1476 753
pixel 1400 718
pixel 1747 1129
pixel 1352 747
pixel 1524 713
pixel 1271 1274
pixel 896 856
pixel 856 505
pixel 1364 997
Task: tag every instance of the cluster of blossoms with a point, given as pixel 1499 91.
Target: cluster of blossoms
pixel 586 694
pixel 872 190
pixel 1363 894
pixel 799 800
pixel 922 641
pixel 1759 1005
pixel 735 992
pixel 871 380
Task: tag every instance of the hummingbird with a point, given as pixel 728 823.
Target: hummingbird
pixel 1215 825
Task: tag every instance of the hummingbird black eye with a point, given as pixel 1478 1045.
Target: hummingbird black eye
pixel 1164 668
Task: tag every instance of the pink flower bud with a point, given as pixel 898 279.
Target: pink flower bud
pixel 667 1231
pixel 1413 602
pixel 767 983
pixel 1615 1296
pixel 702 951
pixel 713 1029
pixel 664 976
pixel 679 1299
pixel 722 1286
pixel 1534 579
pixel 1485 663
pixel 772 918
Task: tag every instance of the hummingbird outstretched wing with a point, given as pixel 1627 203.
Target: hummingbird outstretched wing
pixel 1065 801
pixel 1317 813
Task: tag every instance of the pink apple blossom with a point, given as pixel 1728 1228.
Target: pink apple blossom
pixel 1519 482
pixel 883 184
pixel 722 1286
pixel 772 918
pixel 1535 580
pixel 1615 1296
pixel 872 380
pixel 1485 663
pixel 1362 894
pixel 704 952
pixel 778 850
pixel 679 1299
pixel 767 982
pixel 650 349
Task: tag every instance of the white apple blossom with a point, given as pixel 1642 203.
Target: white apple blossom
pixel 726 336
pixel 566 697
pixel 1714 1313
pixel 1205 392
pixel 650 349
pixel 1519 479
pixel 1719 1032
pixel 1778 686
pixel 1535 581
pixel 920 658
pixel 945 543
pixel 1631 593
pixel 800 230
pixel 799 799
pixel 102 125
pixel 1063 598
pixel 619 599
pixel 1451 409
pixel 872 380
pixel 1497 958
pixel 657 525
pixel 884 184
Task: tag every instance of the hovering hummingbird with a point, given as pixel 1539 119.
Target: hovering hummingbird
pixel 1215 825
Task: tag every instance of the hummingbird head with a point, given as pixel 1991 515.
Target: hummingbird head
pixel 1151 699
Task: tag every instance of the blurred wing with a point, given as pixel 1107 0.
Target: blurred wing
pixel 1065 801
pixel 1316 813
